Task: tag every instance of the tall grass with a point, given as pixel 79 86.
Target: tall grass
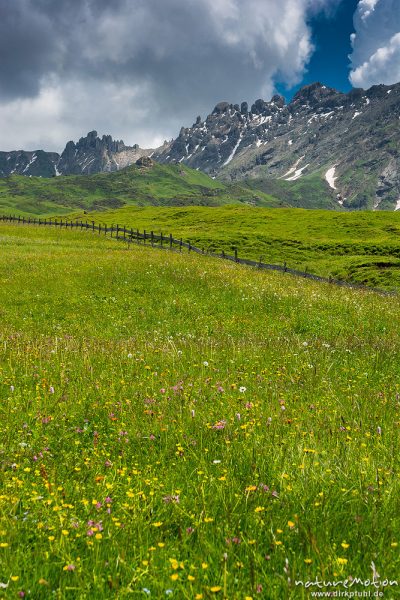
pixel 175 426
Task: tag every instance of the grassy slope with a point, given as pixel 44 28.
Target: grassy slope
pixel 358 246
pixel 160 185
pixel 131 379
pixel 310 191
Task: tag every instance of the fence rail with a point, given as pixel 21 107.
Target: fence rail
pixel 131 235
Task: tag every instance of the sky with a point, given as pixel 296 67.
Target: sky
pixel 141 69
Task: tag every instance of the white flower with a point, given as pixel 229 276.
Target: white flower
pixel 242 389
pixel 216 462
pixel 205 363
pixel 130 355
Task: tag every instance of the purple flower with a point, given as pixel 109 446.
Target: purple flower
pixel 51 389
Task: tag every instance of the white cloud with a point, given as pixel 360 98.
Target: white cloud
pixel 376 43
pixel 382 67
pixel 140 69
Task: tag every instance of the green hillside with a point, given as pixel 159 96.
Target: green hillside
pixel 309 191
pixel 159 185
pixel 174 425
pixel 362 247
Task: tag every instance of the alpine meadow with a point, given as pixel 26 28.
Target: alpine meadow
pixel 199 299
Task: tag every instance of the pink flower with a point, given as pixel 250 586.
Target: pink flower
pixel 162 391
pixel 51 389
pixel 219 425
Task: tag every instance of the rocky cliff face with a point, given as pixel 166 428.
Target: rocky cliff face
pixel 89 155
pixel 352 141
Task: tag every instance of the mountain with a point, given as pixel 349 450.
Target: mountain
pixel 323 149
pixel 89 155
pixel 342 145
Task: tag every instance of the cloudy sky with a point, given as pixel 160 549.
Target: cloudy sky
pixel 140 69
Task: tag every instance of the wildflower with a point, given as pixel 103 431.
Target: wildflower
pixel 65 531
pixel 219 425
pixel 174 576
pixel 69 568
pixel 238 416
pixel 162 391
pixel 189 530
pixel 269 420
pixel 308 561
pixel 379 430
pixel 51 389
pixel 242 389
pixel 259 509
pixel 291 525
pixel 171 499
pixel 191 578
pixel 12 388
pixel 204 565
pixel 215 588
pixel 205 363
pixel 345 545
pixel 220 389
pixel 146 591
pixel 342 561
pixel 216 462
pixel 259 588
pixel 283 407
pixel 130 355
pixel 157 524
pixel 14 577
pixel 192 413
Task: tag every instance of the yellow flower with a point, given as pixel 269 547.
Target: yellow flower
pixel 174 576
pixel 279 531
pixel 191 578
pixel 290 524
pixel 204 565
pixel 157 524
pixel 198 596
pixel 394 544
pixel 308 561
pixel 145 562
pixel 65 531
pixel 98 536
pixel 215 589
pixel 43 581
pixel 3 545
pixel 259 509
pixel 51 538
pixel 342 561
pixel 161 544
pixel 345 545
pixel 14 578
pixel 251 488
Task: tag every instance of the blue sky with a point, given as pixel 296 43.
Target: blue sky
pixel 330 63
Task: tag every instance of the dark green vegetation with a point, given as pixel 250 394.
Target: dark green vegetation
pixel 310 191
pixel 181 426
pixel 160 185
pixel 362 247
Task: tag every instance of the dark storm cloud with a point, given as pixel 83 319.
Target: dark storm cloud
pixel 141 68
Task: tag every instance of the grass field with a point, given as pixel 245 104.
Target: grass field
pixel 362 247
pixel 160 185
pixel 178 426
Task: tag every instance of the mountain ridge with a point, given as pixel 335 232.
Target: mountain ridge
pixel 348 142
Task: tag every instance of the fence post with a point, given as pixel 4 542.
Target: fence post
pixel 170 240
pixel 223 254
pixel 284 267
pixel 161 241
pixel 190 247
pixel 180 245
pixel 144 237
pixel 236 255
pixel 124 232
pixel 260 262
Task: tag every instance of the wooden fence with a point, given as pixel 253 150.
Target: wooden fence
pixel 168 242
